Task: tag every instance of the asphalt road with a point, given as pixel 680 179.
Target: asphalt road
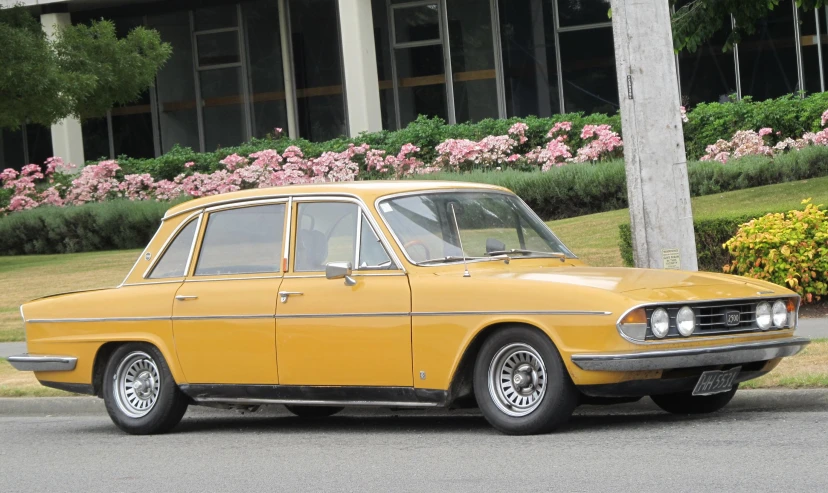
pixel 764 441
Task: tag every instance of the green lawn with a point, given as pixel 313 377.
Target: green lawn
pixel 594 238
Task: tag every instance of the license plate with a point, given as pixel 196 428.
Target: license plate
pixel 714 382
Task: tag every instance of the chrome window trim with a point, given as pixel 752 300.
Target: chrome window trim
pixel 234 279
pixel 358 244
pixel 230 207
pixel 177 281
pixel 170 239
pixel 458 190
pixel 719 337
pixel 261 197
pixel 143 254
pixel 288 224
pixel 362 207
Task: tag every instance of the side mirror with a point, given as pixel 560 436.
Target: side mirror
pixel 340 270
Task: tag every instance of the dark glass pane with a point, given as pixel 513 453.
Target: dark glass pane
pixel 382 42
pixel 264 58
pixel 11 149
pixel 123 25
pixel 529 68
pixel 810 47
pixel 39 139
pixel 420 23
pixel 177 115
pixel 709 74
pixel 767 58
pixel 95 139
pixel 223 111
pixel 218 48
pixel 216 17
pixel 421 82
pixel 318 69
pixel 576 12
pixel 472 60
pixel 588 66
pixel 173 262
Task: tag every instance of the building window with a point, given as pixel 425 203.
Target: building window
pixel 529 68
pixel 767 58
pixel 708 74
pixel 588 71
pixel 382 42
pixel 317 62
pixel 27 144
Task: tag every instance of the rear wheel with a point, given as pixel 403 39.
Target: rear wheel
pixel 140 394
pixel 521 384
pixel 313 411
pixel 686 403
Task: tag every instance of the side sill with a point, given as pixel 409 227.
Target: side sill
pixel 315 395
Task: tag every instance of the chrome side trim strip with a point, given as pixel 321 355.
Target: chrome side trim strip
pixel 84 320
pixel 260 402
pixel 541 312
pixel 693 357
pixel 345 315
pixel 39 362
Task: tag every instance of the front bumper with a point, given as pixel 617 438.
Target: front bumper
pixel 41 362
pixel 692 357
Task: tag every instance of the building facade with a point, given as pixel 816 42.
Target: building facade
pixel 319 69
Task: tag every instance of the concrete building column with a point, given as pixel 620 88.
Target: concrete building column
pixel 356 27
pixel 656 163
pixel 67 139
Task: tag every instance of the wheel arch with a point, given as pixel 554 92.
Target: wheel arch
pixel 105 351
pixel 461 391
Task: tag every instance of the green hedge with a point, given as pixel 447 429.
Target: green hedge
pixel 113 225
pixel 708 122
pixel 711 234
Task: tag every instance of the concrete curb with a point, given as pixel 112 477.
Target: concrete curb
pixel 777 400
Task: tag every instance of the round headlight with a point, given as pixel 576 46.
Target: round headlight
pixel 660 323
pixel 780 314
pixel 686 321
pixel 763 315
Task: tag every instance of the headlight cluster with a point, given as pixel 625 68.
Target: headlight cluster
pixel 777 315
pixel 685 322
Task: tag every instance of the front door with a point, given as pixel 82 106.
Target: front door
pixel 223 314
pixel 330 332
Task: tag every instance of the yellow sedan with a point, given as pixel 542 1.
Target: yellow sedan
pixel 398 294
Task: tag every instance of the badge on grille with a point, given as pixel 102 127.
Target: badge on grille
pixel 733 318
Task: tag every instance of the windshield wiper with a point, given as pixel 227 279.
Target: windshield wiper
pixel 534 253
pixel 455 258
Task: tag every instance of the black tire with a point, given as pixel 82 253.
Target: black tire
pixel 686 403
pixel 313 411
pixel 555 402
pixel 169 403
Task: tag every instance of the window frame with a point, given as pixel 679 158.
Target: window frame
pixel 196 216
pixel 362 211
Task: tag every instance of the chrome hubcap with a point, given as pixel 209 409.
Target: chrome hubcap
pixel 517 379
pixel 137 384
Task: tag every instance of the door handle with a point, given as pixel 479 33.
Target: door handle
pixel 283 295
pixel 185 298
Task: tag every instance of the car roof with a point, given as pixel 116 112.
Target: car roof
pixel 368 191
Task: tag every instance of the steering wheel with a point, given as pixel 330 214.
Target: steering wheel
pixel 418 243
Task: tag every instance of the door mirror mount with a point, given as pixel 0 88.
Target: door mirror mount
pixel 340 270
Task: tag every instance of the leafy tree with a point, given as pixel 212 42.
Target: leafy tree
pixel 697 20
pixel 83 71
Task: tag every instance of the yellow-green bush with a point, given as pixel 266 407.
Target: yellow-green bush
pixel 789 249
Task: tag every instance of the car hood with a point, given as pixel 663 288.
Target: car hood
pixel 642 284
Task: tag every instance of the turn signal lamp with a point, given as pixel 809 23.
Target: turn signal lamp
pixel 634 324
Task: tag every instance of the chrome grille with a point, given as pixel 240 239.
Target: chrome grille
pixel 711 318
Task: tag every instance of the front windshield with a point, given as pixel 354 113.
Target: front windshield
pixel 490 223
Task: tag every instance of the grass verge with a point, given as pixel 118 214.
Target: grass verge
pixel 808 369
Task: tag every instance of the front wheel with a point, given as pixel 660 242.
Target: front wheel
pixel 521 384
pixel 687 403
pixel 139 392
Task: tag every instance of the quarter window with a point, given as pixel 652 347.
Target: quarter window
pixel 247 240
pixel 173 261
pixel 372 254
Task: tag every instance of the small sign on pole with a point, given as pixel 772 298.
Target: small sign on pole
pixel 672 258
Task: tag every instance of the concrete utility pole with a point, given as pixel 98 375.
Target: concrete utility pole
pixel 657 184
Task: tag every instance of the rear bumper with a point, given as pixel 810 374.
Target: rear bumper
pixel 692 357
pixel 42 362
